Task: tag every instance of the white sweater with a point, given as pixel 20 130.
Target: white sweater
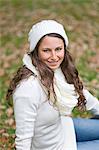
pixel 39 126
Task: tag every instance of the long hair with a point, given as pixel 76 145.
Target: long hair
pixel 68 68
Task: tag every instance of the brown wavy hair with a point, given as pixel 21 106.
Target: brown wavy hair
pixel 68 68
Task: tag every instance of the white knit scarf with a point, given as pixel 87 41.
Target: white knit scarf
pixel 66 97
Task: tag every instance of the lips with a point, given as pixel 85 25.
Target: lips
pixel 53 63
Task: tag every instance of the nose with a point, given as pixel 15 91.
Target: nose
pixel 54 56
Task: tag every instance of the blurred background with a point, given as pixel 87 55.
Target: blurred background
pixel 81 21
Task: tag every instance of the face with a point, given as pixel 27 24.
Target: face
pixel 51 51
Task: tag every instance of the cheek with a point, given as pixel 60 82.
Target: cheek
pixel 62 55
pixel 42 56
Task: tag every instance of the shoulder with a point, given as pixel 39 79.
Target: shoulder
pixel 27 87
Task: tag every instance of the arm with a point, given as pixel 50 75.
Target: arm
pixel 26 102
pixel 92 103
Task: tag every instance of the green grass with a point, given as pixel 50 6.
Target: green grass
pixel 85 71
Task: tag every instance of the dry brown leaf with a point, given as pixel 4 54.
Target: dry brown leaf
pixel 9 122
pixel 2 131
pixel 2 72
pixel 9 111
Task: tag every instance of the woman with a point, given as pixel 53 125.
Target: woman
pixel 45 90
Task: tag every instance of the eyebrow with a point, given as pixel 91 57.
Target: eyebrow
pixel 50 48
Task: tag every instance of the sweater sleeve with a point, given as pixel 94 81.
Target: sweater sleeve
pixel 92 102
pixel 26 100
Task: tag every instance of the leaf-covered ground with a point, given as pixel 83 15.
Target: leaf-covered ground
pixel 81 21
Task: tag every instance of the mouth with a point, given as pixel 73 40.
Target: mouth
pixel 53 63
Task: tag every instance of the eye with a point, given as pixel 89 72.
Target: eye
pixel 46 50
pixel 58 49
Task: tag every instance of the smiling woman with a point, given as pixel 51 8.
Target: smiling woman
pixel 45 90
pixel 51 51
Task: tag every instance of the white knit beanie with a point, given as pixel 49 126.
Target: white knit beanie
pixel 45 27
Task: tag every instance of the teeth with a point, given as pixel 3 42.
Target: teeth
pixel 53 62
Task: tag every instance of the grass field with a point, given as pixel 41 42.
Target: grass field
pixel 81 21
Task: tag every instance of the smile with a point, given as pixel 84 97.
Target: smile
pixel 53 63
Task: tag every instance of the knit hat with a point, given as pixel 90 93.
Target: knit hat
pixel 42 28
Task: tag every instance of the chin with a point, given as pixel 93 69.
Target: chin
pixel 54 67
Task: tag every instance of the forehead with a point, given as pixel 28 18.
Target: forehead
pixel 49 41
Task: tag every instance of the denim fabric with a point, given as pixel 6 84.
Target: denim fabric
pixel 87 133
